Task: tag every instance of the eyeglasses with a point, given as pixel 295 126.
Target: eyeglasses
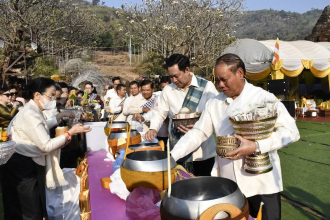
pixel 51 97
pixel 8 94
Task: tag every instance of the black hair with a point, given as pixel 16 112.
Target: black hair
pixel 11 86
pixel 115 78
pixel 70 88
pixel 180 59
pixel 80 92
pixel 165 79
pixel 232 61
pixel 133 83
pixel 4 89
pixel 63 85
pixel 147 82
pixel 119 86
pixel 37 85
pixel 58 87
pixel 89 83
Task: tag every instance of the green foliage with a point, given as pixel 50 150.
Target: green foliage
pixel 265 24
pixel 95 2
pixel 44 66
pixel 152 65
pixel 105 40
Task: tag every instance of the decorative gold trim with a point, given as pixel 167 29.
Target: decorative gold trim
pixel 257 164
pixel 258 172
pixel 255 121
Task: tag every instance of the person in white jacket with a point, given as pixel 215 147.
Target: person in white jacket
pixel 237 93
pixel 35 163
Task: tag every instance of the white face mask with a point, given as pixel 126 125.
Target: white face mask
pixel 47 105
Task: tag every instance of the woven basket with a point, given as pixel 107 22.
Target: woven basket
pixel 234 212
pixel 254 130
pixel 225 145
pixel 152 180
pixel 184 122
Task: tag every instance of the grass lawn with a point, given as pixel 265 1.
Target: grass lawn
pixel 305 170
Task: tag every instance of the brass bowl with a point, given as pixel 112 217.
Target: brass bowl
pixel 258 164
pixel 226 144
pixel 115 126
pixel 254 130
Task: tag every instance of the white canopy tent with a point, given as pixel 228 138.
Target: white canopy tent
pixel 295 56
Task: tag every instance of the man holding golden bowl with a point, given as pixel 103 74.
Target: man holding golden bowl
pixel 237 93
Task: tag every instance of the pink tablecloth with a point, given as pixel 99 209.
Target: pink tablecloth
pixel 104 204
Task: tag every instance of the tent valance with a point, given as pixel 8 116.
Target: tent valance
pixel 295 56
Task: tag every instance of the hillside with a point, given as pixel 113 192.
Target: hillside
pixel 265 24
pixel 116 65
pixel 259 25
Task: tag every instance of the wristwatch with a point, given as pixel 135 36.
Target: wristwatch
pixel 257 150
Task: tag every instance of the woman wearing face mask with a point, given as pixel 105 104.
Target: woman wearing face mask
pixel 6 113
pixel 35 163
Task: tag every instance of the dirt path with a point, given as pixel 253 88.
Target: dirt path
pixel 115 65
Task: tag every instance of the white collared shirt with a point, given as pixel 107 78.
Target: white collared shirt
pixel 110 94
pixel 115 108
pixel 170 103
pixel 215 118
pixel 133 105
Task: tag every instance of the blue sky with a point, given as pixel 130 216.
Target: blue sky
pixel 300 6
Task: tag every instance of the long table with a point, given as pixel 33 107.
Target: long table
pixel 104 204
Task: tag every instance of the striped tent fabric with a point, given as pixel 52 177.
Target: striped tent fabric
pixel 276 56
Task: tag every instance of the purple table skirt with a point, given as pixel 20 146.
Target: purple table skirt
pixel 104 204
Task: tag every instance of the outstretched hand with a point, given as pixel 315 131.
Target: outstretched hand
pixel 246 147
pixel 184 129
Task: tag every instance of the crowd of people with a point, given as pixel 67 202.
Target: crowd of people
pixel 35 165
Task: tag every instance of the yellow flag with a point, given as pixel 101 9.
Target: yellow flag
pixel 259 217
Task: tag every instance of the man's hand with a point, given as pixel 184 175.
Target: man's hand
pixel 138 117
pixel 184 129
pixel 15 104
pixel 64 95
pixel 246 148
pixel 150 135
pixel 145 109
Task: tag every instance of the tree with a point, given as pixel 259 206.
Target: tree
pixel 95 2
pixel 54 27
pixel 199 29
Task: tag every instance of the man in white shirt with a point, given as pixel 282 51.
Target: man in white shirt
pixel 171 102
pixel 163 131
pixel 238 94
pixel 112 92
pixel 145 104
pixel 134 88
pixel 117 103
